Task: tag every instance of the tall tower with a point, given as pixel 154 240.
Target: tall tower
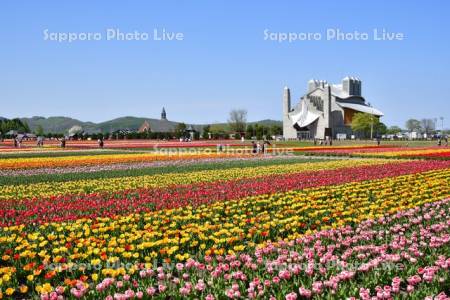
pixel 286 100
pixel 352 86
pixel 163 114
pixel 289 132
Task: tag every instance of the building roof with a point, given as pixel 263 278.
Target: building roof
pixel 361 108
pixel 304 117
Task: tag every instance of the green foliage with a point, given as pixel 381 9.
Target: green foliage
pixel 13 124
pixel 261 131
pixel 249 132
pixel 393 130
pixel 219 131
pixel 364 124
pixel 196 135
pixel 180 130
pixel 206 131
pixel 39 130
pixel 276 129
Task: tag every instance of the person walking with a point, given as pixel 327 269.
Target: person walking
pixel 100 143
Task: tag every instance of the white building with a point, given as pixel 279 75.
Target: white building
pixel 325 110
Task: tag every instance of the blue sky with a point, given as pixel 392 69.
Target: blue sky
pixel 223 62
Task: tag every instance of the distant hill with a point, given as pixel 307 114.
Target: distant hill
pixel 133 123
pixel 268 122
pixel 57 124
pixel 63 124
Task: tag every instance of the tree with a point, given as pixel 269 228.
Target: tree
pixel 413 125
pixel 393 130
pixel 39 130
pixel 180 130
pixel 249 132
pixel 380 129
pixel 14 124
pixel 259 131
pixel 365 124
pixel 206 131
pixel 276 129
pixel 219 131
pixel 237 120
pixel 428 125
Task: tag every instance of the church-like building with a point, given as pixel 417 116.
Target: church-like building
pixel 325 110
pixel 161 125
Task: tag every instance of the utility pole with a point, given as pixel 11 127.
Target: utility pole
pixel 371 127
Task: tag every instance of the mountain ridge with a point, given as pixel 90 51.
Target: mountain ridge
pixel 61 124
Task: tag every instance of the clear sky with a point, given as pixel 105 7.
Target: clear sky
pixel 223 61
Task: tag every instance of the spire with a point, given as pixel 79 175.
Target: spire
pixel 163 114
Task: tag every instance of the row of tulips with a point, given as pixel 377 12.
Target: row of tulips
pixel 144 165
pixel 85 160
pixel 47 189
pixel 384 152
pixel 72 207
pixel 116 256
pixel 411 152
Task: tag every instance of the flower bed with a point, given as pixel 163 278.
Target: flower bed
pixel 53 257
pixel 47 189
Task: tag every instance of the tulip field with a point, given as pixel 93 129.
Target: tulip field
pixel 380 151
pixel 350 222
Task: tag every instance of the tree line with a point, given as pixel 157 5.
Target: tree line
pixel 16 124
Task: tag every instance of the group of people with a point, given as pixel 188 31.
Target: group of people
pixel 40 141
pixel 62 143
pixel 326 141
pixel 258 148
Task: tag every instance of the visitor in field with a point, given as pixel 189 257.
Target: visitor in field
pixel 40 141
pixel 266 144
pixel 100 143
pixel 254 147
